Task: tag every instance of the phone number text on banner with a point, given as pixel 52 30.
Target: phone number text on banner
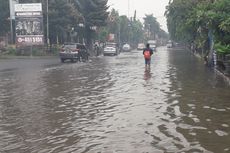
pixel 33 40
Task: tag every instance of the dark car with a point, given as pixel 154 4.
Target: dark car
pixel 74 52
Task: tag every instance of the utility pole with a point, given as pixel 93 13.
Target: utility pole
pixel 128 8
pixel 119 34
pixel 11 31
pixel 47 24
pixel 11 6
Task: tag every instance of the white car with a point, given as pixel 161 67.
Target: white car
pixel 126 47
pixel 153 47
pixel 109 50
pixel 169 45
pixel 140 46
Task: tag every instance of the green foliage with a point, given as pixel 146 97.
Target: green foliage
pixel 180 20
pixel 11 50
pixel 221 21
pixel 103 33
pixel 151 25
pixel 225 25
pixel 124 28
pixel 93 13
pixel 137 34
pixel 162 34
pixel 130 30
pixel 63 17
pixel 113 22
pixel 191 21
pixel 222 49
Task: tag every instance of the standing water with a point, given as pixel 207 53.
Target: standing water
pixel 112 104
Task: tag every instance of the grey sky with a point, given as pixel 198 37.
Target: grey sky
pixel 155 7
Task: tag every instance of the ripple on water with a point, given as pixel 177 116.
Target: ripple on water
pixel 225 125
pixel 221 133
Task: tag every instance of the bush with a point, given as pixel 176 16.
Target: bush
pixel 55 49
pixel 26 50
pixel 11 50
pixel 37 51
pixel 222 49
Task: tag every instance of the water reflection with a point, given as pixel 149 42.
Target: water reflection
pixel 199 88
pixel 147 73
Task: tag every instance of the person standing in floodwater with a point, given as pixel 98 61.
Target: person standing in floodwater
pixel 147 52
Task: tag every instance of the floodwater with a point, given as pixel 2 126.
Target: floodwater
pixel 113 105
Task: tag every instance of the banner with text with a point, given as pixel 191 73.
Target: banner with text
pixel 29 24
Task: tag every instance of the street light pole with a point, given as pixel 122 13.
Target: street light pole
pixel 11 22
pixel 11 31
pixel 119 34
pixel 47 24
pixel 128 8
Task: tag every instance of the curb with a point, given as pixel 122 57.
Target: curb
pixel 226 78
pixel 26 57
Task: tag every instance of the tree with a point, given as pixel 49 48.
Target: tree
pixel 113 22
pixel 220 22
pixel 194 21
pixel 178 12
pixel 137 32
pixel 94 13
pixel 124 28
pixel 103 34
pixel 4 17
pixel 63 18
pixel 151 25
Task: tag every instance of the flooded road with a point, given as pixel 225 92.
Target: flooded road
pixel 113 105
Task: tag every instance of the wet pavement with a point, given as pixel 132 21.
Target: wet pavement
pixel 113 105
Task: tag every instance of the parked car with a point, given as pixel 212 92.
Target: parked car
pixel 110 49
pixel 126 47
pixel 169 44
pixel 73 52
pixel 140 46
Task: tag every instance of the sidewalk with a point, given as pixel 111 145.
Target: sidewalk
pixel 226 78
pixel 26 57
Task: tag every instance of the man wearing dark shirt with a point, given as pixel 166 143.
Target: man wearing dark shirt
pixel 147 52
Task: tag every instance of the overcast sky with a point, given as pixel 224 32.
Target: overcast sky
pixel 155 7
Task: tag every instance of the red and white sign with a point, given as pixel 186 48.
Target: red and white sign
pixel 111 37
pixel 33 40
